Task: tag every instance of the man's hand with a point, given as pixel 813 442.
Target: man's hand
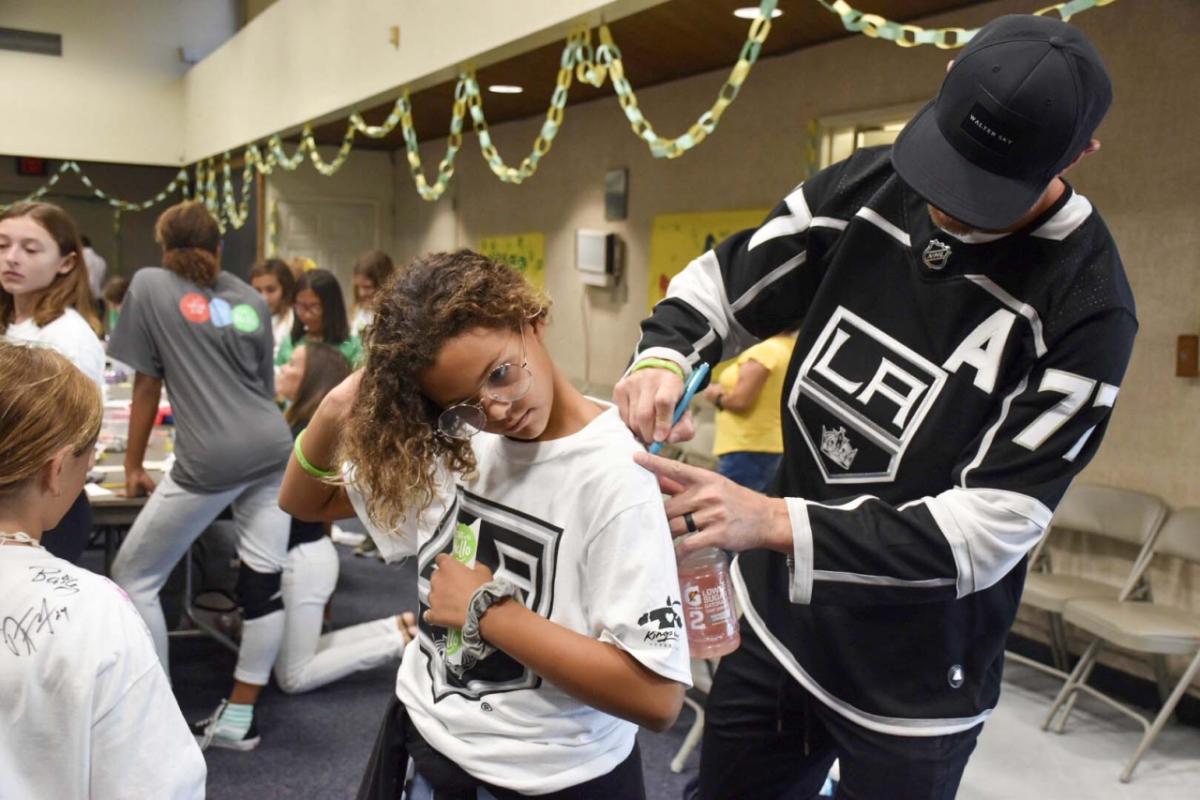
pixel 647 399
pixel 137 482
pixel 450 588
pixel 725 514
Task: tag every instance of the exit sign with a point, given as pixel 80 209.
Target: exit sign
pixel 35 167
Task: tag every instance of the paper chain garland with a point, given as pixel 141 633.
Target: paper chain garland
pixel 580 61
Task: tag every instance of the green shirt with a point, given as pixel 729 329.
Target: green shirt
pixel 351 349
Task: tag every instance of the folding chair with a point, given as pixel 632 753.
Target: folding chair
pixel 1116 514
pixel 1144 627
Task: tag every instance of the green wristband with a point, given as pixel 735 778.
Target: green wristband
pixel 659 363
pixel 307 467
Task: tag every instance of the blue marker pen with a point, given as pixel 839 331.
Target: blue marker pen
pixel 689 391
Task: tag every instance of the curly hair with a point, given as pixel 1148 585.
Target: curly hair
pixel 392 437
pixel 190 238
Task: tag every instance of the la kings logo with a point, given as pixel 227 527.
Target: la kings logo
pixel 859 399
pixel 662 624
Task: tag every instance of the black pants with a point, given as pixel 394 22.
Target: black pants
pixel 69 538
pixel 766 737
pixel 398 739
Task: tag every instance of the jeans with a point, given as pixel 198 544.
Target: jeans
pixel 752 470
pixel 165 528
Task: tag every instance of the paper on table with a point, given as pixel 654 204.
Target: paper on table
pixel 96 490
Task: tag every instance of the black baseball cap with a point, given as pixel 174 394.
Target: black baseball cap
pixel 1020 103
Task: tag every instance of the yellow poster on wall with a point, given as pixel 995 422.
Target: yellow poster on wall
pixel 523 251
pixel 676 239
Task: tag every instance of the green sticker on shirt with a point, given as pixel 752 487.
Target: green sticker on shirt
pixel 245 318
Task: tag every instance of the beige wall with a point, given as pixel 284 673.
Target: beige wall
pixel 311 58
pixel 1143 181
pixel 115 93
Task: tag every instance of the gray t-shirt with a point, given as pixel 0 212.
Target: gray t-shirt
pixel 212 348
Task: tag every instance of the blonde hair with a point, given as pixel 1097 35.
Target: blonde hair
pixel 46 404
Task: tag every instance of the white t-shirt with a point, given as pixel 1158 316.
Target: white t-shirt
pixel 362 318
pixel 281 327
pixel 70 335
pixel 87 711
pixel 580 528
pixel 96 267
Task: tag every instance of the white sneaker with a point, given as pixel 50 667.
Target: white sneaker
pixel 350 538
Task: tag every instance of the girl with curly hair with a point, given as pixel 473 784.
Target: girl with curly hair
pixel 550 624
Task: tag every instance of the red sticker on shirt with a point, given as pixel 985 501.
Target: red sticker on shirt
pixel 194 307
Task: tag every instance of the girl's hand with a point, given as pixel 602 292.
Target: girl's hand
pixel 713 392
pixel 450 588
pixel 137 482
pixel 340 400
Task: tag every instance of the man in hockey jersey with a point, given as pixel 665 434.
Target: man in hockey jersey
pixel 966 322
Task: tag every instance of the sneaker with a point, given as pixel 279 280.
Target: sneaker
pixel 367 548
pixel 349 538
pixel 206 734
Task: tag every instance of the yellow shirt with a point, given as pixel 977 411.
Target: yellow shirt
pixel 758 429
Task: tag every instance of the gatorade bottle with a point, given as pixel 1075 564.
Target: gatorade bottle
pixel 708 609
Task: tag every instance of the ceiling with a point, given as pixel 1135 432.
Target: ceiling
pixel 664 43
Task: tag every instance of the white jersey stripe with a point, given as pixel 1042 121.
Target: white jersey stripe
pixel 1024 309
pixel 875 219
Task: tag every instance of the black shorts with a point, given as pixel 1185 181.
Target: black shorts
pixel 398 740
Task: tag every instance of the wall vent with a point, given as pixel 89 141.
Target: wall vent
pixel 46 44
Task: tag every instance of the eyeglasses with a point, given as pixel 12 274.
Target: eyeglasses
pixel 507 383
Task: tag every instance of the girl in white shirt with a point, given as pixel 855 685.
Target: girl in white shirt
pixel 87 709
pixel 45 299
pixel 273 279
pixel 372 270
pixel 309 659
pixel 466 438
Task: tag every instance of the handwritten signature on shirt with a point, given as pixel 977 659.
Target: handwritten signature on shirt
pixel 34 625
pixel 64 583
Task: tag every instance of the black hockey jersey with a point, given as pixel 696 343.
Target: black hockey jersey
pixel 943 393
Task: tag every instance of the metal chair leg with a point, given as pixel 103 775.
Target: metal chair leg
pixel 1068 688
pixel 693 736
pixel 1161 720
pixel 1058 642
pixel 190 611
pixel 1083 679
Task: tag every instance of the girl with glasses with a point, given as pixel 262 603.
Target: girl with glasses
pixel 462 439
pixel 320 316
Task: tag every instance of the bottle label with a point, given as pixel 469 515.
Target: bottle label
pixel 465 546
pixel 708 610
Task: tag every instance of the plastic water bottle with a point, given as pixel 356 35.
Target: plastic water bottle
pixel 708 608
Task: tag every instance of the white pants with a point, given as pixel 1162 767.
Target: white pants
pixel 170 521
pixel 308 659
